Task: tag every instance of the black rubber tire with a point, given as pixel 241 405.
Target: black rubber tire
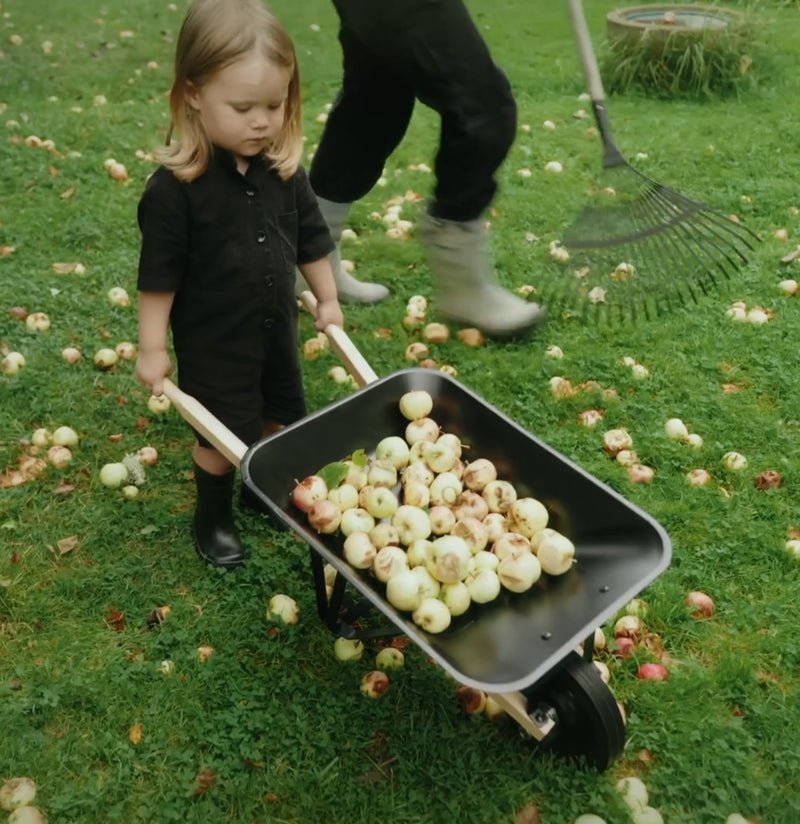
pixel 589 725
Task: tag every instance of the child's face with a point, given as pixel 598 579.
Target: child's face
pixel 242 107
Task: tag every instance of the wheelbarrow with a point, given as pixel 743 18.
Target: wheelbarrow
pixel 521 649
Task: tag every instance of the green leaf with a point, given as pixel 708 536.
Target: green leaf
pixel 359 458
pixel 333 473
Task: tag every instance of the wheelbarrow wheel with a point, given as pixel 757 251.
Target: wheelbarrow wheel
pixel 588 721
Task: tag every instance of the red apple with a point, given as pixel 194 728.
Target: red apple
pixel 652 672
pixel 702 606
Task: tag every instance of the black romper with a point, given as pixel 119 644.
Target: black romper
pixel 227 245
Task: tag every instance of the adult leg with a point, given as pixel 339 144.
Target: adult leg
pixel 367 121
pixel 455 75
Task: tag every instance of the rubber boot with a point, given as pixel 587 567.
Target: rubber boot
pixel 216 538
pixel 465 285
pixel 350 290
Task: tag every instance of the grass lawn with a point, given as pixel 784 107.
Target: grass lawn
pixel 273 728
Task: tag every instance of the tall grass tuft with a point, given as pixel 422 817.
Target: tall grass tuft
pixel 702 64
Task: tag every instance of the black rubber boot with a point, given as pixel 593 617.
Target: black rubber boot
pixel 216 538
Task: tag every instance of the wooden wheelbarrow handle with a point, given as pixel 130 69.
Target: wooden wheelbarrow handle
pixel 346 350
pixel 210 427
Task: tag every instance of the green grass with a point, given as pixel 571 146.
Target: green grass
pixel 279 722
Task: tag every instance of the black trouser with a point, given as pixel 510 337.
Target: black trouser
pixel 394 54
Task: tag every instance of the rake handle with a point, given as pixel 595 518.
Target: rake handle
pixel 594 83
pixel 348 353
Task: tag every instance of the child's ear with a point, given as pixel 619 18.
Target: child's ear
pixel 190 95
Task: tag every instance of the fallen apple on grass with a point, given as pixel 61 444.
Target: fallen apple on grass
pixel 700 604
pixel 652 672
pixel 374 684
pixel 283 608
pixel 12 363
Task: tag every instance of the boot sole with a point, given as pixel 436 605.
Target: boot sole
pixel 502 334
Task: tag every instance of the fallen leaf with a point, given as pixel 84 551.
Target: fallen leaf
pixel 15 684
pixel 15 557
pixel 116 620
pixel 63 489
pixel 135 734
pixel 528 815
pixel 53 171
pixel 204 781
pixel 116 438
pixel 791 256
pixel 382 333
pixel 158 616
pixel 5 251
pixel 10 478
pixel 66 545
pixel 142 423
pixel 68 193
pixel 732 388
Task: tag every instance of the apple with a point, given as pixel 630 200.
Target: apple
pixel 37 322
pixel 114 475
pixel 451 441
pixel 445 488
pixel 449 559
pixel 478 473
pixel 158 404
pixel 403 590
pixel 418 552
pixel 393 449
pixel 422 429
pixel 71 355
pixel 456 598
pixel 345 496
pixel 418 471
pixel 633 791
pixel 12 363
pixel 484 560
pixel 416 404
pixel 374 684
pixel 117 296
pixel 474 533
pixel 105 358
pixel 382 473
pixel 348 649
pixel 283 608
pixel 59 456
pixel 470 504
pixel 126 350
pixel 308 491
pixel 701 605
pixel 41 437
pixel 65 436
pixel 411 523
pixel 527 516
pixel 652 672
pixel 555 553
pixel 496 524
pixel 389 658
pixel 356 475
pixel 511 544
pixel 440 457
pixel 629 626
pixel 519 573
pixel 442 519
pixel 379 501
pixel 416 493
pixel 384 534
pixel 432 615
pixel 324 516
pixel 356 519
pixel 483 585
pixel 499 495
pixel 389 561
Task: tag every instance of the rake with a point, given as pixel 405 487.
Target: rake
pixel 639 248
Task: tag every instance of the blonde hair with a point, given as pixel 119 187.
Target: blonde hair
pixel 215 34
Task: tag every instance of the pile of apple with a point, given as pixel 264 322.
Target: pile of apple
pixel 439 532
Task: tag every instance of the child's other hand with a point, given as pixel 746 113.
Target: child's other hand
pixel 329 312
pixel 151 369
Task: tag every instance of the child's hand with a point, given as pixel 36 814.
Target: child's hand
pixel 329 312
pixel 151 369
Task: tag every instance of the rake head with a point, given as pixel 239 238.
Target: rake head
pixel 641 249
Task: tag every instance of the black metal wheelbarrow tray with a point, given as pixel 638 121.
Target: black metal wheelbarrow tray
pixel 521 648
